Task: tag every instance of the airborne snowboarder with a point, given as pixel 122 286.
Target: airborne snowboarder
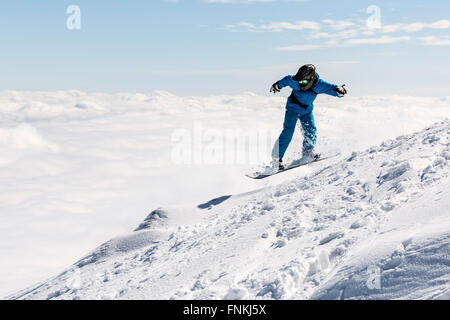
pixel 305 85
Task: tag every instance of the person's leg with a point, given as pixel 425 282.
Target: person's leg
pixel 309 131
pixel 290 120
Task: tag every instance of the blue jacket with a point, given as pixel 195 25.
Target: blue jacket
pixel 306 98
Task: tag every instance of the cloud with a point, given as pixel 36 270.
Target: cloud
pixel 249 1
pixel 379 40
pixel 339 28
pixel 338 33
pixel 241 26
pixel 350 42
pixel 441 24
pixel 320 35
pixel 301 47
pixel 415 26
pixel 435 41
pixel 298 25
pixel 338 25
pixel 273 26
pixel 238 1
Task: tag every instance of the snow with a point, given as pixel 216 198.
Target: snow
pixel 80 168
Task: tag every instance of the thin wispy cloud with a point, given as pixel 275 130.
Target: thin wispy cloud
pixel 238 1
pixel 273 26
pixel 335 33
pixel 335 43
pixel 415 26
pixel 298 25
pixel 436 41
pixel 300 47
pixel 338 25
pixel 250 1
pixel 242 26
pixel 377 40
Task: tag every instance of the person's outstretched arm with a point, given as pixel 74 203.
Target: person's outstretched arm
pixel 331 89
pixel 285 82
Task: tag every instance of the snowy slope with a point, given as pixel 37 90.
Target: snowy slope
pixel 79 168
pixel 315 235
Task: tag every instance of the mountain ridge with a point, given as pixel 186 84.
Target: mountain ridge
pixel 310 237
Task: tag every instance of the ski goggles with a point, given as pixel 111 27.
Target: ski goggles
pixel 303 82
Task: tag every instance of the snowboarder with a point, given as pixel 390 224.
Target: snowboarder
pixel 305 85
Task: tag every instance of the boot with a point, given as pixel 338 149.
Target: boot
pixel 311 154
pixel 280 164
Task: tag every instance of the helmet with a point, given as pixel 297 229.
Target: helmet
pixel 306 76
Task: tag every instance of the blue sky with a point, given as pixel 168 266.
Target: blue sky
pixel 200 47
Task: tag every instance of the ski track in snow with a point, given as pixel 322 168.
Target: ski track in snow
pixel 312 236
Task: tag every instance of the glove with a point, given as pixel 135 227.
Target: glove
pixel 275 88
pixel 341 91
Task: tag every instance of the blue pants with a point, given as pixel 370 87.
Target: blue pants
pixel 309 133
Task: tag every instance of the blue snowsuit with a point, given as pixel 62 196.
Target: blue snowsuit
pixel 300 106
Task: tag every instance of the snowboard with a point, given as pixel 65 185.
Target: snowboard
pixel 294 164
